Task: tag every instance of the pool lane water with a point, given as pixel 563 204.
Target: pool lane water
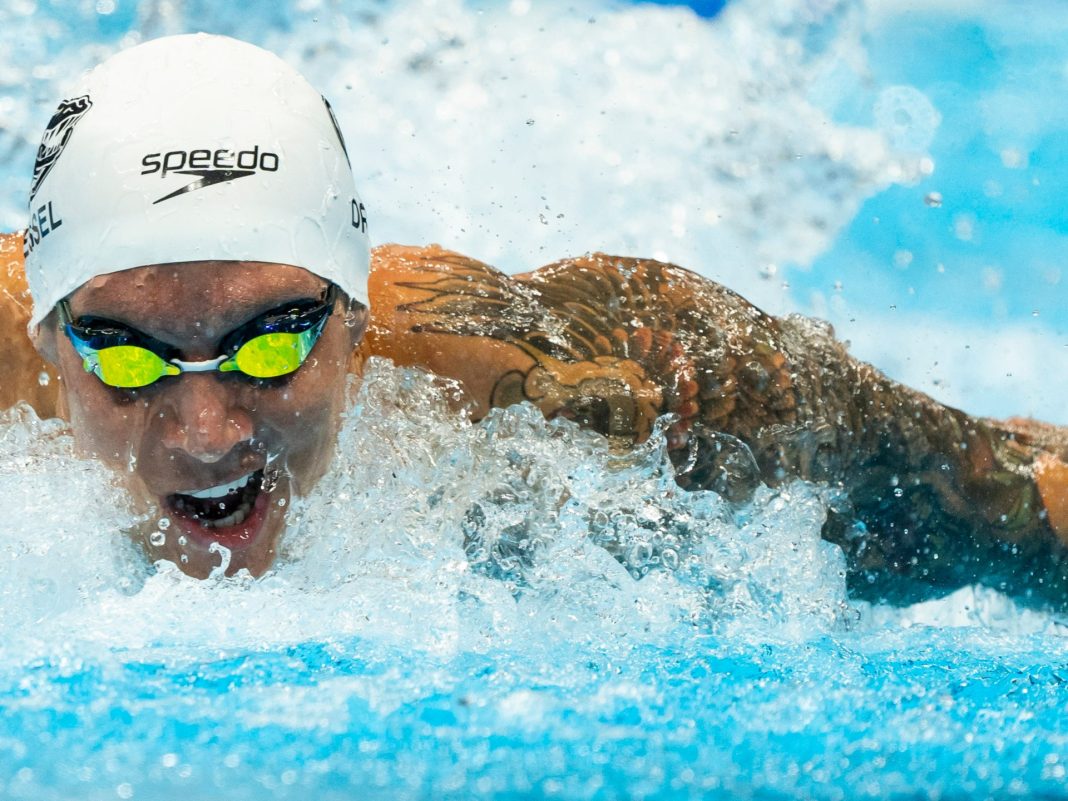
pixel 922 713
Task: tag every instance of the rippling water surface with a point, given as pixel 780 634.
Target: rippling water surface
pixel 502 610
pixel 507 609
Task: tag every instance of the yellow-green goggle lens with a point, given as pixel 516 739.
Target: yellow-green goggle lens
pixel 129 366
pixel 272 355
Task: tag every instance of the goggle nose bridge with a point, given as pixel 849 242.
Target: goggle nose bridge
pixel 199 367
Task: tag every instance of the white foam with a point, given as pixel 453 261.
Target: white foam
pixel 430 533
pixel 522 138
pixel 518 134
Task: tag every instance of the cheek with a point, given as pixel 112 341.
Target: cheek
pixel 105 425
pixel 305 412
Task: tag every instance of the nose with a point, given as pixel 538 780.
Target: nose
pixel 203 418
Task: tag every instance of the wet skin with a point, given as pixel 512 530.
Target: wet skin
pixel 198 430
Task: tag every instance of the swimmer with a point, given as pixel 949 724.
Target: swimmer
pixel 196 279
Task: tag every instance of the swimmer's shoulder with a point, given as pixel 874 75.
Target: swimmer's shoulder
pixel 405 274
pixel 445 312
pixel 420 293
pixel 597 327
pixel 21 366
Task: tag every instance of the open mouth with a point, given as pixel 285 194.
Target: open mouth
pixel 235 510
pixel 221 506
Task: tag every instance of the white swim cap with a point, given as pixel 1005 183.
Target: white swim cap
pixel 190 148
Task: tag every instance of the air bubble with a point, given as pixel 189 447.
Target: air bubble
pixel 158 539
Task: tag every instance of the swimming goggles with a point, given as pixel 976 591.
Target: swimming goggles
pixel 271 345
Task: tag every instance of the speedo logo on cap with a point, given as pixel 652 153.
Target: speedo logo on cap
pixel 210 166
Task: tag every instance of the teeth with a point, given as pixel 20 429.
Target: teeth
pixel 230 520
pixel 222 490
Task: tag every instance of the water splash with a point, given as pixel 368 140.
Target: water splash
pixel 426 509
pixel 513 576
pixel 60 534
pixel 684 138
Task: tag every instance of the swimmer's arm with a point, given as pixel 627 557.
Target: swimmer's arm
pixel 613 343
pixel 950 499
pixel 408 288
pixel 554 338
pixel 24 375
pixel 945 499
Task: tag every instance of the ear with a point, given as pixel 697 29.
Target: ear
pixel 356 319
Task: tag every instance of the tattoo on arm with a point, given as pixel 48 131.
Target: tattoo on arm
pixel 935 496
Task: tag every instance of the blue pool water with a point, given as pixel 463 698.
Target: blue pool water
pixel 823 156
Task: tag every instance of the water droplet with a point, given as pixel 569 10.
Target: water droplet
pixel 219 571
pixel 898 492
pixel 164 523
pixel 182 540
pixel 281 501
pixel 933 199
pixel 44 379
pixel 530 122
pixel 157 538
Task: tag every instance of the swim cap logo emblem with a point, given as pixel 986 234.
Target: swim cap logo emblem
pixel 57 134
pixel 211 166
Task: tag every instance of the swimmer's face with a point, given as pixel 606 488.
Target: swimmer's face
pixel 253 444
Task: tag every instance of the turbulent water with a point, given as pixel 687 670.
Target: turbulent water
pixel 509 610
pixel 502 609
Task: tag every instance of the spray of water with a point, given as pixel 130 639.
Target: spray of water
pixel 430 532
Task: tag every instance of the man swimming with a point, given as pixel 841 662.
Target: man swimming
pixel 198 279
